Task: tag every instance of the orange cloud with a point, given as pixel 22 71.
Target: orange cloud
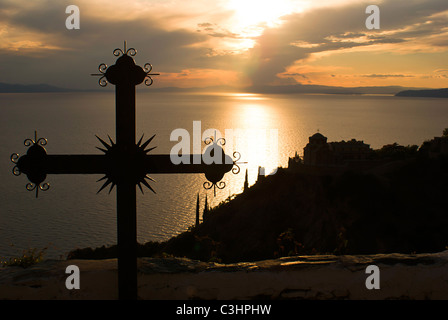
pixel 349 77
pixel 201 78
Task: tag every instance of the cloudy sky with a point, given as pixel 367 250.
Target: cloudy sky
pixel 240 43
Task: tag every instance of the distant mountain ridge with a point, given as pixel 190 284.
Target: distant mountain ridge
pixel 31 88
pixel 300 88
pixel 429 93
pixel 296 88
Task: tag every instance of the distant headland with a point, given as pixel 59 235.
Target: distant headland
pixel 430 93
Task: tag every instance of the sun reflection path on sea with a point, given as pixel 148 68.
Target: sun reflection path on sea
pixel 255 135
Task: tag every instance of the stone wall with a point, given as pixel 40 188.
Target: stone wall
pixel 419 276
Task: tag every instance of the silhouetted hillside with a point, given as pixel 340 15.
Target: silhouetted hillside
pixel 401 207
pixel 401 210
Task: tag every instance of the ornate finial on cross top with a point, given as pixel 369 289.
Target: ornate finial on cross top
pixel 125 163
pixel 125 70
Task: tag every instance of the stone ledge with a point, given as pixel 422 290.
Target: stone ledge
pixel 403 276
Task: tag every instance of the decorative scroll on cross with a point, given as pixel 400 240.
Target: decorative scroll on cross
pixel 124 164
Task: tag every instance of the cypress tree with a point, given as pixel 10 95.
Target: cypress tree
pixel 197 211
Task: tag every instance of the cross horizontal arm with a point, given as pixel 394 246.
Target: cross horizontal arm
pixel 121 165
pixel 76 164
pixel 162 163
pixel 62 164
pixel 100 164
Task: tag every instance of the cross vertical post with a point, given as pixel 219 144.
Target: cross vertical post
pixel 127 241
pixel 125 75
pixel 126 193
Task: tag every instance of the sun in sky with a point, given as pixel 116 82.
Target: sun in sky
pixel 246 20
pixel 252 16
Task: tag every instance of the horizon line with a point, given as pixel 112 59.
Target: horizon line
pixel 268 89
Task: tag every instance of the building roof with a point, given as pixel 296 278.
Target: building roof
pixel 318 136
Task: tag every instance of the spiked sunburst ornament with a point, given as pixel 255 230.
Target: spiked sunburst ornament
pixel 117 160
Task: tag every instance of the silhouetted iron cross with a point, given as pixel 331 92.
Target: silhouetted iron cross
pixel 124 163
